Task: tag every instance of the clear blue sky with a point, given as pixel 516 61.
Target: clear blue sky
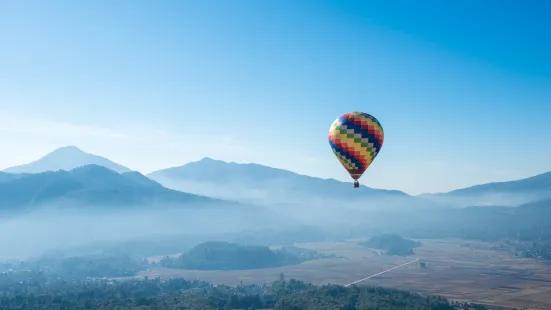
pixel 463 91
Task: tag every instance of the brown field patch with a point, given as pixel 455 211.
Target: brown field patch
pixel 454 270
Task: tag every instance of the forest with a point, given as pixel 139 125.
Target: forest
pixel 392 244
pixel 218 255
pixel 34 290
pixel 89 282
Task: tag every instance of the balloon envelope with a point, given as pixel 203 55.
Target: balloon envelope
pixel 356 138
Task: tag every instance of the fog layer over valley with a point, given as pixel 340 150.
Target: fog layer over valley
pixel 510 194
pixel 270 186
pixel 71 217
pixel 49 228
pixel 54 208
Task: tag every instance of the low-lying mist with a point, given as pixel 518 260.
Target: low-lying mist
pixel 276 193
pixel 49 228
pixel 34 233
pixel 503 199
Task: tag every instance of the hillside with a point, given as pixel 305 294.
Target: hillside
pixel 540 205
pixel 66 158
pixel 509 193
pixel 265 185
pixel 7 177
pixel 539 212
pixel 217 255
pixel 392 244
pixel 90 185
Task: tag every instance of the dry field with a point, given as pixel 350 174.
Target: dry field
pixel 455 269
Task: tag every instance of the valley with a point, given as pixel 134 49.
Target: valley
pixel 456 269
pixel 232 224
pixel 275 155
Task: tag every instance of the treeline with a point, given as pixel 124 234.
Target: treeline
pixel 36 292
pixel 355 298
pixel 94 266
pixel 76 268
pixel 537 250
pixel 79 267
pixel 205 256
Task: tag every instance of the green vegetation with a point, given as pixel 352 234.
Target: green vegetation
pixel 392 244
pixel 338 297
pixel 93 266
pixel 32 290
pixel 230 256
pixel 205 256
pixel 80 267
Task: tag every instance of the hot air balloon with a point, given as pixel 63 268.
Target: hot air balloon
pixel 356 138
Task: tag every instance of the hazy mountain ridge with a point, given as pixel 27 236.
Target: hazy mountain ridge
pixel 7 177
pixel 92 203
pixel 254 183
pixel 537 182
pixel 507 193
pixel 258 184
pixel 321 203
pixel 212 170
pixel 66 158
pixel 90 185
pixel 540 206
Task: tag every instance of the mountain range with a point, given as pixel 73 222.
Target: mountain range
pixel 66 158
pixel 259 184
pixel 69 174
pixel 510 193
pixel 91 185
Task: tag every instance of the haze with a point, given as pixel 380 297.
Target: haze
pixel 175 155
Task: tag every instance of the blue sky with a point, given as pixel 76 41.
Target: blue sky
pixel 462 90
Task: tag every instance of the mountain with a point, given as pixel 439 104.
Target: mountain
pixel 57 209
pixel 509 193
pixel 253 183
pixel 391 243
pixel 141 179
pixel 66 158
pixel 92 185
pixel 221 255
pixel 541 209
pixel 7 177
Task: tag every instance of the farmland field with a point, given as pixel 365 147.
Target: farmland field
pixel 456 269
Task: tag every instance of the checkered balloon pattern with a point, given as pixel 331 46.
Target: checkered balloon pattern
pixel 356 138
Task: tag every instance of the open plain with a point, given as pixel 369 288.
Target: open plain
pixel 456 269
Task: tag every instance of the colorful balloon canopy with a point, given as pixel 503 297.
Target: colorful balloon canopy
pixel 356 138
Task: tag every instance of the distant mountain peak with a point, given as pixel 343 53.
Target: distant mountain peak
pixel 504 193
pixel 92 168
pixel 67 151
pixel 93 186
pixel 250 182
pixel 66 158
pixel 68 148
pixel 208 159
